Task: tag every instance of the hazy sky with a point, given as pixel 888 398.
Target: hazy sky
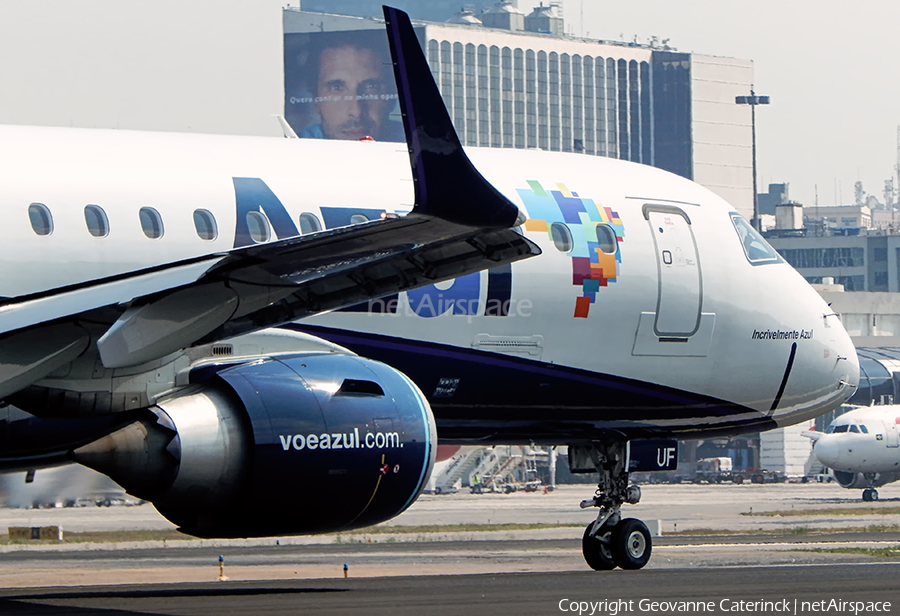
pixel 198 65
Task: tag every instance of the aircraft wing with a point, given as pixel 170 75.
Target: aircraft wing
pixel 460 224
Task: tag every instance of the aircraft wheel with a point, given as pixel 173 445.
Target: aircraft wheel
pixel 596 549
pixel 870 494
pixel 631 544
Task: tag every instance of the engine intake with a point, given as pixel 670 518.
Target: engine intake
pixel 297 444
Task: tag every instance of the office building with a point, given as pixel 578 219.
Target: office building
pixel 511 88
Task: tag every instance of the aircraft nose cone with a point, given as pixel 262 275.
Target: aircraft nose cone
pixel 828 451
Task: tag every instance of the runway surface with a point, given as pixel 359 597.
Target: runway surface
pixel 469 572
pixel 721 589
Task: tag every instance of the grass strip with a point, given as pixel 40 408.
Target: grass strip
pixel 173 535
pixel 861 510
pixel 890 552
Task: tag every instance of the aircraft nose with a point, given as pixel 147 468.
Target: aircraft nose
pixel 828 450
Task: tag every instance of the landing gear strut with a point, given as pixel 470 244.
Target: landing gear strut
pixel 610 541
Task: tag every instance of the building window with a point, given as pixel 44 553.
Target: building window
pixel 447 75
pixel 531 100
pixel 879 254
pixel 506 94
pixel 495 96
pixel 519 97
pixel 471 134
pixel 96 220
pixel 542 125
pixel 634 105
pixel 612 141
pixel 589 105
pixel 41 219
pixel 565 91
pixel 151 223
pixel 622 85
pixel 824 257
pixel 459 102
pixel 646 124
pixel 484 118
pixel 880 279
pixel 553 80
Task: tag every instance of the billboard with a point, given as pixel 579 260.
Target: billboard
pixel 340 85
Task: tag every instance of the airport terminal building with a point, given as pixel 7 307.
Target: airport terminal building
pixel 511 80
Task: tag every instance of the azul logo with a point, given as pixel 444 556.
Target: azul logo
pixel 588 233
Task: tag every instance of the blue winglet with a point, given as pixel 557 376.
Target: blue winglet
pixel 447 185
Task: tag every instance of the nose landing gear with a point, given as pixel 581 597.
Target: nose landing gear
pixel 610 541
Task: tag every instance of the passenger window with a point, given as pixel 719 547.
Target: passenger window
pixel 96 220
pixel 151 223
pixel 561 236
pixel 205 224
pixel 358 218
pixel 41 219
pixel 606 237
pixel 756 249
pixel 258 225
pixel 309 223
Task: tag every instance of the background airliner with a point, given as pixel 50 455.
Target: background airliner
pixel 862 447
pixel 153 283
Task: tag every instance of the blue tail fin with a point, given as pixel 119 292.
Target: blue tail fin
pixel 447 185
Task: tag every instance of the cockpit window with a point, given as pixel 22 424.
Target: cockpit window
pixel 854 428
pixel 863 429
pixel 842 428
pixel 756 249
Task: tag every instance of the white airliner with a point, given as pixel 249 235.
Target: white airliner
pixel 862 447
pixel 262 336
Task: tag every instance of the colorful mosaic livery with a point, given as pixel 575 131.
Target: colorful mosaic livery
pixel 592 234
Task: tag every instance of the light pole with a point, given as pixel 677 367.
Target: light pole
pixel 753 100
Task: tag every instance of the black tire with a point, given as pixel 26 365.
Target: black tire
pixel 596 550
pixel 631 544
pixel 738 479
pixel 870 494
pixel 874 494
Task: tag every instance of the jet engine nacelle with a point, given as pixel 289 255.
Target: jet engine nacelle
pixel 297 444
pixel 847 479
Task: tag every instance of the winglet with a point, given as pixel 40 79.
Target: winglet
pixel 447 185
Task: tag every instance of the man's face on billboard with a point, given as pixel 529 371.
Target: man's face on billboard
pixel 350 90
